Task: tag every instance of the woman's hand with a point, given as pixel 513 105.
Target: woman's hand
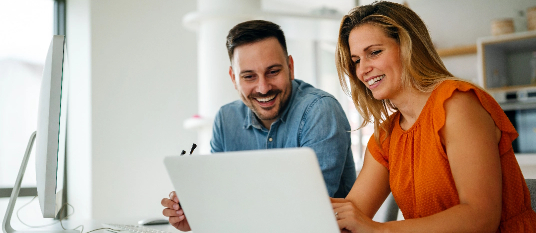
pixel 175 213
pixel 350 218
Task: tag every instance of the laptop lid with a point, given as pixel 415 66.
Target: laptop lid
pixel 277 190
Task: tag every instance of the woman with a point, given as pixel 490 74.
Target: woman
pixel 446 151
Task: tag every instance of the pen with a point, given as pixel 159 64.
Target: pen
pixel 193 148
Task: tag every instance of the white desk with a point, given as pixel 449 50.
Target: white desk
pixel 90 225
pixel 31 215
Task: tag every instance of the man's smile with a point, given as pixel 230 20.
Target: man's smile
pixel 265 99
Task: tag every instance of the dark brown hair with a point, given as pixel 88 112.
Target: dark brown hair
pixel 253 31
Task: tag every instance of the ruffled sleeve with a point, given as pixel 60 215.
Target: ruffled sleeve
pixel 445 90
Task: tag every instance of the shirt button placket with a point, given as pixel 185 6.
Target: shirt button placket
pixel 270 142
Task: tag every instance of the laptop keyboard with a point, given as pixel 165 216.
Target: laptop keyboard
pixel 131 228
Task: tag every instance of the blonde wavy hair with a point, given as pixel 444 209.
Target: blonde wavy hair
pixel 422 67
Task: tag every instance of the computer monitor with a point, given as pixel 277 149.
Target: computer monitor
pixel 49 138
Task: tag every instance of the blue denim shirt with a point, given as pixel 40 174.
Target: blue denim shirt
pixel 312 118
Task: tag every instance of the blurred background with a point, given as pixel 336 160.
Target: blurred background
pixel 147 77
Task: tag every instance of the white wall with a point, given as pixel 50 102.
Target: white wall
pixel 133 83
pixel 79 148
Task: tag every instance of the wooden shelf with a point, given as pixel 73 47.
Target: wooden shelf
pixel 456 51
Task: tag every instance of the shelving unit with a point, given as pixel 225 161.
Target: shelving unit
pixel 505 72
pixel 505 62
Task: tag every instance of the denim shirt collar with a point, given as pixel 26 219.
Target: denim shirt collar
pixel 252 121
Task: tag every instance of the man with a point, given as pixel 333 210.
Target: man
pixel 276 111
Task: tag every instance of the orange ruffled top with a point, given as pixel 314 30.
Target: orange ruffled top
pixel 419 172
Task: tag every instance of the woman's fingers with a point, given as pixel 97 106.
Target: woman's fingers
pixel 345 225
pixel 337 200
pixel 347 215
pixel 341 207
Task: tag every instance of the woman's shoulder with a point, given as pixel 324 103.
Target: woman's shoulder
pixel 462 102
pixel 461 97
pixel 453 95
pixel 457 91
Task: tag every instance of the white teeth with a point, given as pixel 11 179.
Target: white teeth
pixel 265 99
pixel 374 80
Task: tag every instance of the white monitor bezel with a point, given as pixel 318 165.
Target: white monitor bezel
pixel 51 130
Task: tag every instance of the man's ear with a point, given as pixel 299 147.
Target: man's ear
pixel 231 73
pixel 291 66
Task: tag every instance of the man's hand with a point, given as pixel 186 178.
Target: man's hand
pixel 175 213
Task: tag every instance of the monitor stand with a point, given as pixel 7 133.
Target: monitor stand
pixel 6 224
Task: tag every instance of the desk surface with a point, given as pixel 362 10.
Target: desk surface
pixel 31 214
pixel 89 225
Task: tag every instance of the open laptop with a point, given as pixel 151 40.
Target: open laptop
pixel 277 190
